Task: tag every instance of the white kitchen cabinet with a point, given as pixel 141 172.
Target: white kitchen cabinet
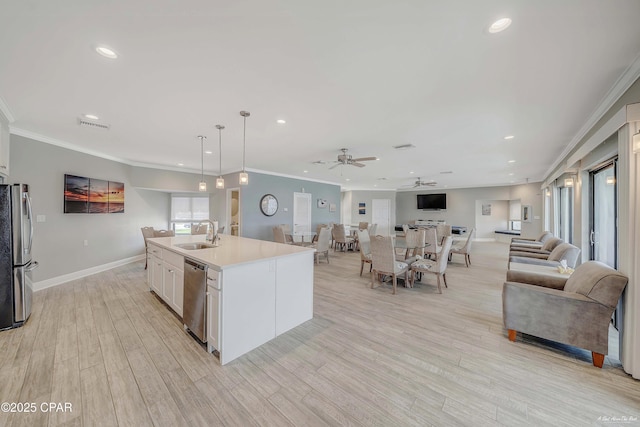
pixel 173 286
pixel 156 275
pixel 4 148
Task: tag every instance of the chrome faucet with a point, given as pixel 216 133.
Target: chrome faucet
pixel 210 232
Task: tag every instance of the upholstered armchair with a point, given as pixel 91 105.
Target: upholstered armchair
pixel 574 311
pixel 544 250
pixel 532 242
pixel 383 261
pixel 564 251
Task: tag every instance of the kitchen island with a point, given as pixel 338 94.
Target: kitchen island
pixel 256 289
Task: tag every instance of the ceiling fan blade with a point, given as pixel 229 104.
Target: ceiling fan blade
pixel 364 159
pixel 360 165
pixel 336 165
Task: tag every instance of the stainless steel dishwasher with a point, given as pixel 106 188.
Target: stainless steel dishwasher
pixel 194 313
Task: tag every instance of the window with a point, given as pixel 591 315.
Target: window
pixel 515 225
pixel 187 211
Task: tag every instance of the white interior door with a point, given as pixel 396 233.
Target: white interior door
pixel 381 215
pixel 301 212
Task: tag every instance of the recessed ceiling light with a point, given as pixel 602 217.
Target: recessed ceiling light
pixel 106 52
pixel 509 137
pixel 500 25
pixel 208 152
pixel 91 117
pixel 305 171
pixel 511 174
pixel 512 161
pixel 412 172
pixel 375 185
pixel 180 164
pixel 281 121
pixel 348 179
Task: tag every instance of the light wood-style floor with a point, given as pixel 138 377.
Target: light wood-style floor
pixel 109 347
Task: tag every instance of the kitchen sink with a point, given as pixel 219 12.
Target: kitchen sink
pixel 195 246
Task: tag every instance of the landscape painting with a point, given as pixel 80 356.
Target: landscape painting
pixel 116 197
pixel 76 194
pixel 90 195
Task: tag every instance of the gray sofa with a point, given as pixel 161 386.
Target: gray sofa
pixel 574 311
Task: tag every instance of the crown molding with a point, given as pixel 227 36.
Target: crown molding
pixel 624 82
pixel 4 108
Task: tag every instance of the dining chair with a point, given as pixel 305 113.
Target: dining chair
pixel 372 229
pixel 199 229
pixel 279 236
pixel 341 239
pixel 365 249
pixel 163 233
pixel 465 248
pixel 383 261
pixel 286 229
pixel 322 245
pixel 318 227
pixel 363 225
pixel 221 230
pixel 442 231
pixel 437 267
pixel 147 232
pixel 415 241
pixel 432 246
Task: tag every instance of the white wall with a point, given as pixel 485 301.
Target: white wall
pixel 461 205
pixel 486 225
pixel 356 197
pixel 58 243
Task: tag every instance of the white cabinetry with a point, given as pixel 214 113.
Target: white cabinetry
pixel 154 255
pixel 173 280
pixel 4 147
pixel 165 276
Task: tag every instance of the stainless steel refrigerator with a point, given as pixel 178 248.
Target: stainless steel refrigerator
pixel 16 265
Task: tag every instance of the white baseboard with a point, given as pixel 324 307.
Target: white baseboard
pixel 55 281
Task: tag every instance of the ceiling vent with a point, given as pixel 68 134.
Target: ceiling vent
pixel 87 123
pixel 404 146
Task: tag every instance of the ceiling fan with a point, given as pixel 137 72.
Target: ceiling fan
pixel 421 183
pixel 347 159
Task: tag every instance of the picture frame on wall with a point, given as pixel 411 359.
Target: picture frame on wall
pixel 486 209
pixel 527 212
pixel 362 208
pixel 332 207
pixel 92 195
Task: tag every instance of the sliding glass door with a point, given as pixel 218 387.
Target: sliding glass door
pixel 604 213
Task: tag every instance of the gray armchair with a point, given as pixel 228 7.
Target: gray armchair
pixel 549 245
pixel 574 311
pixel 564 251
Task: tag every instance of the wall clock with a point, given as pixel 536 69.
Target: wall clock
pixel 269 204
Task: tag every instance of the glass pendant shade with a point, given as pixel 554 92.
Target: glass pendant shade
pixel 244 178
pixel 202 186
pixel 220 183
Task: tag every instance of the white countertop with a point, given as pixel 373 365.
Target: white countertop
pixel 231 251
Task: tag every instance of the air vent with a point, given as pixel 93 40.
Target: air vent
pixel 93 124
pixel 446 172
pixel 319 162
pixel 404 146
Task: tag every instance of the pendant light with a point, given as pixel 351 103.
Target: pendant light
pixel 220 180
pixel 203 184
pixel 244 176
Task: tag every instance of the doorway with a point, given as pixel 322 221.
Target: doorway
pixel 234 212
pixel 381 215
pixel 604 213
pixel 301 212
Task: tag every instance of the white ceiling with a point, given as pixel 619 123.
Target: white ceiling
pixel 361 74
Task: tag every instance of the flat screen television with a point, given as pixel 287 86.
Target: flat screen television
pixel 432 202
